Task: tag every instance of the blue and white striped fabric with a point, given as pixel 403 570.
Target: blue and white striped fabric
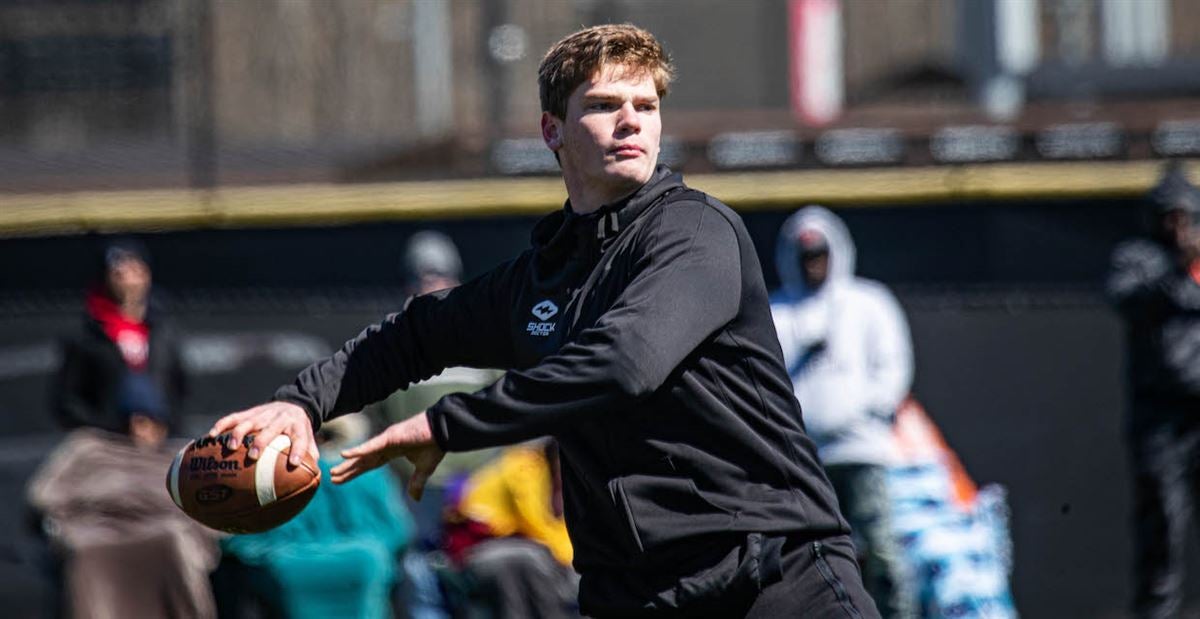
pixel 960 559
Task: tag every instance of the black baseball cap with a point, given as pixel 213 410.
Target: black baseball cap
pixel 124 248
pixel 1174 192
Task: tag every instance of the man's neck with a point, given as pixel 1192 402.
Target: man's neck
pixel 133 310
pixel 586 199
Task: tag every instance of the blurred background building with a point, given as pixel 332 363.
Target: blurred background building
pixel 276 155
pixel 170 93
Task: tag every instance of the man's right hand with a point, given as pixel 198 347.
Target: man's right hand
pixel 411 438
pixel 265 422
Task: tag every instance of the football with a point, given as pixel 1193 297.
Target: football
pixel 223 489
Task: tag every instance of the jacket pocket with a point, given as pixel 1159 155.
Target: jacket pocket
pixel 626 512
pixel 742 574
pixel 721 585
pixel 661 509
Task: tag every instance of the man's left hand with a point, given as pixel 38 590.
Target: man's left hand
pixel 411 438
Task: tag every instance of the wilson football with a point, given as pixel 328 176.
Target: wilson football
pixel 223 489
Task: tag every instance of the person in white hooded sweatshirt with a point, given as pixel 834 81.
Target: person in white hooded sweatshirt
pixel 848 351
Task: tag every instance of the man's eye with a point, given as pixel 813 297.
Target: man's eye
pixel 600 106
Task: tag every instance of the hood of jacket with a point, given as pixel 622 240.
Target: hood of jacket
pixel 566 244
pixel 787 250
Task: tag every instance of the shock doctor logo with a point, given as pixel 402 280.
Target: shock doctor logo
pixel 543 311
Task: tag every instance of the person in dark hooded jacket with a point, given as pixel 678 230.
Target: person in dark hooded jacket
pixel 637 332
pixel 1154 283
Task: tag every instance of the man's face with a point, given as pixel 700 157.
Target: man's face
pixel 815 267
pixel 1177 227
pixel 608 143
pixel 814 257
pixel 129 280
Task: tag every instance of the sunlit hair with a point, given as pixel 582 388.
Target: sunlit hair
pixel 578 57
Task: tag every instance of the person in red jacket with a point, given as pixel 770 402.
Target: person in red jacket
pixel 126 352
pixel 122 547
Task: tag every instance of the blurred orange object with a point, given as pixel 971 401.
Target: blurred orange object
pixel 920 441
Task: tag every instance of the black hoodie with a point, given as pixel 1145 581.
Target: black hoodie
pixel 87 388
pixel 1150 285
pixel 641 338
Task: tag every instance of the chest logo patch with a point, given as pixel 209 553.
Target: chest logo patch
pixel 545 310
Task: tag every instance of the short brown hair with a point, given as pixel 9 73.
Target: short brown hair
pixel 578 57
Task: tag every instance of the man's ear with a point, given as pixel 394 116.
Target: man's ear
pixel 551 131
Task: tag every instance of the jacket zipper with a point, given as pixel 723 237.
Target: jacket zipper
pixel 832 580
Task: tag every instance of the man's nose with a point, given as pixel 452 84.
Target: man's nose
pixel 628 119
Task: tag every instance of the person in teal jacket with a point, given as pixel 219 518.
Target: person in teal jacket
pixel 340 556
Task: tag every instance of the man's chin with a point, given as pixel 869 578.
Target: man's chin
pixel 625 173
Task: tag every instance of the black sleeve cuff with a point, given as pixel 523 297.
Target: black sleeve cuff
pixel 286 394
pixel 437 425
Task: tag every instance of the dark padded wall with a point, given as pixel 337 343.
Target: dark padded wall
pixel 980 243
pixel 1018 358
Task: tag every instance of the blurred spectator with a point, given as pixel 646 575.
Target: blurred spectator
pixel 846 345
pixel 339 557
pixel 432 263
pixel 507 532
pixel 125 549
pixel 955 537
pixel 1155 284
pixel 125 344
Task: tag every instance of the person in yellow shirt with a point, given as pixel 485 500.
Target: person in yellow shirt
pixel 515 496
pixel 508 533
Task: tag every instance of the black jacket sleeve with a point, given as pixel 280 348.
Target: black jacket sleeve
pixel 1145 284
pixel 71 408
pixel 466 325
pixel 685 284
pixel 176 381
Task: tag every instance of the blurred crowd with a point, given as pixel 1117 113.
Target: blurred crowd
pixel 489 538
pixel 489 542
